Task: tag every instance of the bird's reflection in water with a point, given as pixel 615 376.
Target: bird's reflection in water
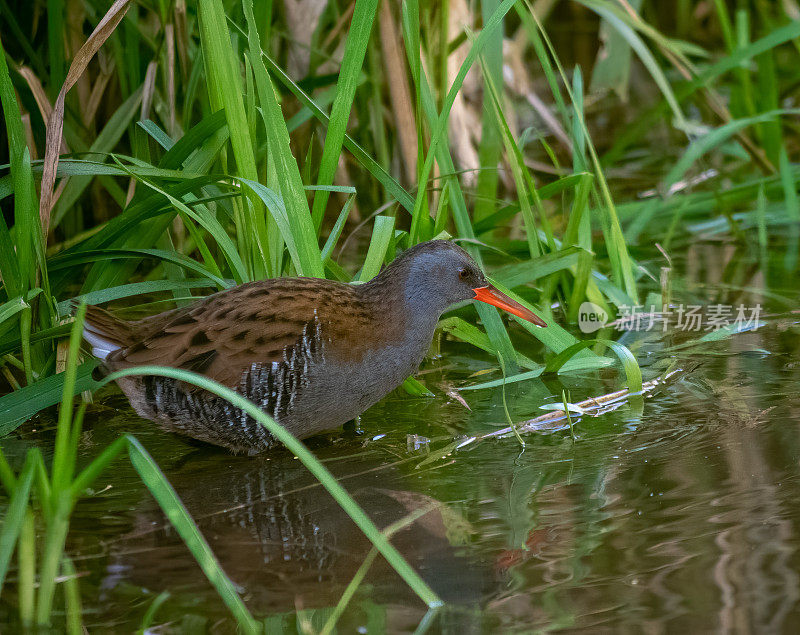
pixel 286 543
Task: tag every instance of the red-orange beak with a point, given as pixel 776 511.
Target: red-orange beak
pixel 490 295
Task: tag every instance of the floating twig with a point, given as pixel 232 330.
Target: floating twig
pixel 558 419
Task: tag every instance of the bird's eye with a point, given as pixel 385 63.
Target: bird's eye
pixel 463 274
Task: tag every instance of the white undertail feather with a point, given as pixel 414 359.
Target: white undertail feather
pixel 105 332
pixel 102 345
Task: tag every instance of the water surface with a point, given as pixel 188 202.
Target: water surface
pixel 681 515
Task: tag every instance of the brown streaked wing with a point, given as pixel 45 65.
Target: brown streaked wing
pixel 222 335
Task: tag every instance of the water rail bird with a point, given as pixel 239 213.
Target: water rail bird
pixel 312 353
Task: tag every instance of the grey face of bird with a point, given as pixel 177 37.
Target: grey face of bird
pixel 440 274
pixel 443 278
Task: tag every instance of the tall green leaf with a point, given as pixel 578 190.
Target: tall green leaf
pixel 287 171
pixel 260 252
pixel 19 272
pixel 354 51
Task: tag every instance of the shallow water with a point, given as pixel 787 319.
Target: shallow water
pixel 681 515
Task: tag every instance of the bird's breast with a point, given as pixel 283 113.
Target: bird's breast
pixel 337 390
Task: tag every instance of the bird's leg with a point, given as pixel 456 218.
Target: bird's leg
pixel 354 426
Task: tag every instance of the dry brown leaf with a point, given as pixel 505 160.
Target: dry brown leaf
pixel 29 140
pixel 454 394
pixel 181 39
pixel 55 124
pixel 517 79
pixel 464 122
pixel 36 88
pixel 169 44
pixel 75 38
pixel 302 18
pixel 148 89
pixel 542 9
pixel 341 23
pixel 40 96
pixel 399 92
pixel 99 88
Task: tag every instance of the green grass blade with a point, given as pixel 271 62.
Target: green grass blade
pixel 545 191
pixel 644 54
pixel 522 273
pixel 526 189
pixel 713 139
pixel 382 233
pixel 287 177
pixel 14 516
pixel 11 308
pixel 621 262
pixel 158 135
pixel 295 227
pixel 360 574
pixel 60 507
pixel 531 26
pixel 491 145
pixel 105 142
pixel 12 342
pixel 775 38
pixel 579 232
pixel 789 183
pixel 9 264
pixel 761 226
pixel 769 99
pixel 19 406
pixel 26 577
pixel 86 477
pixel 574 365
pixel 72 597
pixel 28 233
pixel 90 167
pixel 7 477
pixel 391 184
pixel 633 373
pixel 225 92
pixel 147 619
pixel 132 290
pixel 612 69
pixel 141 225
pixel 104 255
pixel 440 128
pixel 703 79
pixel 355 49
pixel 61 474
pixel 416 388
pixel 180 155
pixel 553 336
pixel 471 334
pixel 336 231
pixel 211 224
